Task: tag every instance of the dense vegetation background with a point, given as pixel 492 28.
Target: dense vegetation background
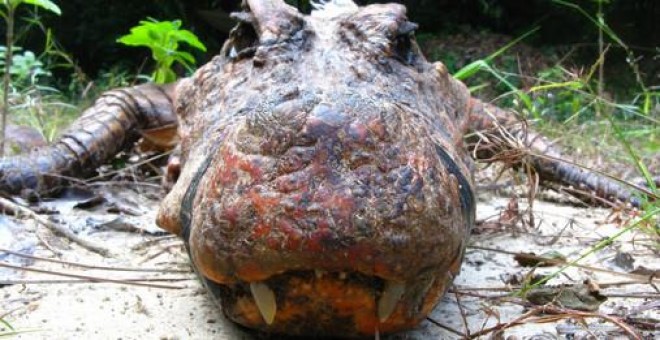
pixel 555 72
pixel 88 29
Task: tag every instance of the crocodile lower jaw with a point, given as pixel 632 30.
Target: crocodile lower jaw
pixel 337 303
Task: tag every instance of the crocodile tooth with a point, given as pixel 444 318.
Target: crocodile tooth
pixel 389 299
pixel 265 300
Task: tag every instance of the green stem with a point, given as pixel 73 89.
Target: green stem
pixel 7 76
pixel 601 52
pixel 600 245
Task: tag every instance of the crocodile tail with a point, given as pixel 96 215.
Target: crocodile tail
pixel 499 134
pixel 109 126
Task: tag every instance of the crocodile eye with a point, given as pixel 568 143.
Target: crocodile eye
pixel 403 50
pixel 243 41
pixel 403 45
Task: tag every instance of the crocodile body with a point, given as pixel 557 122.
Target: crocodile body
pixel 324 186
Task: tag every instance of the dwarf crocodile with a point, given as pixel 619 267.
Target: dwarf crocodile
pixel 324 180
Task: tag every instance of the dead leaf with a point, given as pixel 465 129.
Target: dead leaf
pixel 90 203
pixel 533 260
pixel 160 139
pixel 579 297
pixel 641 270
pixel 624 261
pixel 519 279
pixel 512 213
pixel 116 207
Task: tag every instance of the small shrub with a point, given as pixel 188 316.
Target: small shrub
pixel 8 12
pixel 163 38
pixel 26 68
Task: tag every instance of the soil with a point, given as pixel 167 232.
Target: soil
pixel 123 222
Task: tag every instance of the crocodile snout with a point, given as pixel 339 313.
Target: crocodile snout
pixel 341 220
pixel 324 189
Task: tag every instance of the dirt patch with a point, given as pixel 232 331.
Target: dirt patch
pixel 50 307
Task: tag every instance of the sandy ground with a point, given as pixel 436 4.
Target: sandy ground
pixel 68 310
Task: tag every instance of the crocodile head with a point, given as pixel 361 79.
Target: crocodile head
pixel 324 187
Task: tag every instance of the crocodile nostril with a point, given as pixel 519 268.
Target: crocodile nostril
pixel 172 171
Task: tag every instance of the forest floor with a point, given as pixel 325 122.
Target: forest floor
pixel 121 218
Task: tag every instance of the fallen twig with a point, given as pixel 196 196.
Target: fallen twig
pixel 9 312
pixel 460 309
pixel 155 240
pixel 632 295
pixel 502 326
pixel 119 183
pixel 87 277
pixel 509 288
pixel 467 290
pixel 160 252
pixel 81 265
pixel 128 167
pixel 19 209
pixel 502 297
pixel 68 281
pixel 561 313
pixel 445 327
pixel 641 278
pixel 648 306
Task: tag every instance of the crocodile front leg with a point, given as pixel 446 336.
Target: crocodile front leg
pixel 112 124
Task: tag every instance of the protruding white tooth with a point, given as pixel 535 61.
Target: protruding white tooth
pixel 265 300
pixel 233 53
pixel 388 301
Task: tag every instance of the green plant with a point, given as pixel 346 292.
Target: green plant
pixel 648 217
pixel 6 325
pixel 486 65
pixel 639 109
pixel 604 30
pixel 26 68
pixel 569 95
pixel 55 56
pixel 35 102
pixel 163 38
pixel 8 13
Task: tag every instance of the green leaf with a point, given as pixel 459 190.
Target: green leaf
pixel 478 65
pixel 511 44
pixel 45 4
pixel 189 38
pixel 469 70
pixel 573 85
pixel 134 39
pixel 163 38
pixel 160 53
pixel 184 56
